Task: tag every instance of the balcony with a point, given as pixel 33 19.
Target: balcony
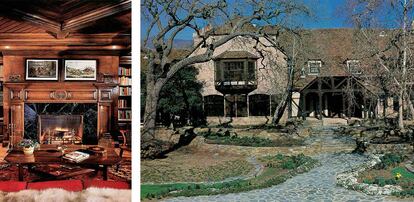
pixel 235 72
pixel 236 87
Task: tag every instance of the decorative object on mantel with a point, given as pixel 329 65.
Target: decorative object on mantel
pixel 106 78
pixel 80 70
pixel 28 146
pixel 15 78
pixel 42 69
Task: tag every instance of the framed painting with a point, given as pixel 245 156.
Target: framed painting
pixel 42 69
pixel 80 70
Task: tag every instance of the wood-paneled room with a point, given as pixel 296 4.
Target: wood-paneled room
pixel 65 71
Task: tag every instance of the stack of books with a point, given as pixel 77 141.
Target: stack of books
pixel 76 156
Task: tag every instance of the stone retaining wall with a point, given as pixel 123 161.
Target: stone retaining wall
pixel 349 180
pixel 404 148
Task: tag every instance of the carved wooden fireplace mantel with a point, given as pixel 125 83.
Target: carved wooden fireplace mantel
pixel 17 91
pixel 21 93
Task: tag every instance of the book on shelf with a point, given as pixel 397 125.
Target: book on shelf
pixel 125 81
pixel 125 115
pixel 124 71
pixel 125 91
pixel 76 156
pixel 122 103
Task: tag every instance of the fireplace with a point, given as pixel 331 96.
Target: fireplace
pixel 60 129
pixel 61 123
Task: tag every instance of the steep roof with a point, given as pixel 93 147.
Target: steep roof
pixel 333 47
pixel 236 55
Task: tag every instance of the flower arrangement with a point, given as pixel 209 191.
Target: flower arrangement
pixel 26 143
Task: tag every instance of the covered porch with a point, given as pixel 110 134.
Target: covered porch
pixel 335 96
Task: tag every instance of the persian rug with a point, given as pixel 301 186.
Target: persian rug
pixel 123 172
pixel 61 195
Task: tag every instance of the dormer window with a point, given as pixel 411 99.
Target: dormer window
pixel 353 66
pixel 314 67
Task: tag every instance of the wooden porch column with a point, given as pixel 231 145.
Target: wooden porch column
pixel 302 106
pixel 343 106
pixel 319 111
pixel 224 105
pixel 365 108
pixel 248 105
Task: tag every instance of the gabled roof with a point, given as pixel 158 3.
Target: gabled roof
pixel 236 55
pixel 333 47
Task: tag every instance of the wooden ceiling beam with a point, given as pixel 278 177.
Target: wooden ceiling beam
pixel 36 20
pixel 87 19
pixel 44 39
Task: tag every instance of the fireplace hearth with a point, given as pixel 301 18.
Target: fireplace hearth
pixel 60 129
pixel 61 123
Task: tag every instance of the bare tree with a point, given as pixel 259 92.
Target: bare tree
pixel 165 19
pixel 385 27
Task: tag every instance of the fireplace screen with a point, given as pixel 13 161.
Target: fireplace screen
pixel 60 129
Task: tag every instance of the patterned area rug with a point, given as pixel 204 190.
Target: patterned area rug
pixel 10 172
pixel 124 170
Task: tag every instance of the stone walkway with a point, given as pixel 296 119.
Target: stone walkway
pixel 315 185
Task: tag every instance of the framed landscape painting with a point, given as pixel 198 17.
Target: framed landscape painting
pixel 42 69
pixel 80 70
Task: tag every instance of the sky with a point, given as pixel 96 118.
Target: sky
pixel 327 14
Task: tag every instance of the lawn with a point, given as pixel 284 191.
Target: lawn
pixel 278 169
pixel 191 164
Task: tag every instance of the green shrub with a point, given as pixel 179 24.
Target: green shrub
pixel 388 160
pixel 368 181
pixel 380 181
pixel 289 164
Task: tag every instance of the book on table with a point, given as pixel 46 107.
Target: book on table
pixel 76 156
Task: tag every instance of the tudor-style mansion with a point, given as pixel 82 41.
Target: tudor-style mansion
pixel 331 78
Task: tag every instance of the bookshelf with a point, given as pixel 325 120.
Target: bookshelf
pixel 124 105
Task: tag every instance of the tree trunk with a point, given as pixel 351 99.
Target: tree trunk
pixel 151 147
pixel 286 97
pixel 150 114
pixel 400 111
pixel 410 106
pixel 280 109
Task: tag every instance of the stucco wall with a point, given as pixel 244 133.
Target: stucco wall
pixel 271 69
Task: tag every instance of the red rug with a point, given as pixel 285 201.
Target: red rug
pixel 10 172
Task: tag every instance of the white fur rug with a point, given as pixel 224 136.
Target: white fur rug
pixel 52 195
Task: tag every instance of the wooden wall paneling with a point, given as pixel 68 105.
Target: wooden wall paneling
pixel 104 118
pixel 17 119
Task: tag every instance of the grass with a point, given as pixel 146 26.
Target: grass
pixel 275 172
pixel 405 174
pixel 151 191
pixel 194 173
pixel 251 141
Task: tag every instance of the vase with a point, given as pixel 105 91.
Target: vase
pixel 28 150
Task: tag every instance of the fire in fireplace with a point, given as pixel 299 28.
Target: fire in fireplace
pixel 60 129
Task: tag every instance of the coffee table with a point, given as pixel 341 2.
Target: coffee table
pixel 48 154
